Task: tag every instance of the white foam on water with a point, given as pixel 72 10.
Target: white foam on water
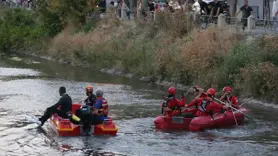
pixel 17 72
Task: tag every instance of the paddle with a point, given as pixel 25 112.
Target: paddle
pixel 217 100
pixel 246 101
pixel 232 111
pixel 188 91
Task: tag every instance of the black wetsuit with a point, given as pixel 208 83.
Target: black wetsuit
pixel 65 104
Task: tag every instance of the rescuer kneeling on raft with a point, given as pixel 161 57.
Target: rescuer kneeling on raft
pixel 171 106
pixel 228 97
pixel 206 105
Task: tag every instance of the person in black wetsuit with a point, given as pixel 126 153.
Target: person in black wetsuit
pixel 62 107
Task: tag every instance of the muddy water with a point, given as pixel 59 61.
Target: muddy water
pixel 28 86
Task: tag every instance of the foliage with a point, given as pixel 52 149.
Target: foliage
pixel 18 30
pixel 55 15
pixel 259 80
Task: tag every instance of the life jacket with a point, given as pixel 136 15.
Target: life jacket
pixel 166 103
pixel 203 106
pixel 231 99
pixel 104 106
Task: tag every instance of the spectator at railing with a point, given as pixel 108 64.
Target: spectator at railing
pixel 151 8
pixel 158 6
pixel 224 8
pixel 125 11
pixel 139 8
pixel 119 8
pixel 275 13
pixel 151 5
pixel 275 9
pixel 203 7
pixel 196 7
pixel 111 4
pixel 102 6
pixel 166 7
pixel 246 12
pixel 214 8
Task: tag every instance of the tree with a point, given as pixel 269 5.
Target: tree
pixel 59 13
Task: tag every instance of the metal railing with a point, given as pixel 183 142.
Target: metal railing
pixel 270 25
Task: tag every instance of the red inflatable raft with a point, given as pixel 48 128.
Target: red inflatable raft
pixel 175 122
pixel 218 120
pixel 223 120
pixel 63 127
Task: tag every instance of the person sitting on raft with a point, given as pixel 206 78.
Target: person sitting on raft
pixel 171 106
pixel 91 98
pixel 199 92
pixel 206 105
pixel 88 115
pixel 84 113
pixel 62 107
pixel 100 110
pixel 228 97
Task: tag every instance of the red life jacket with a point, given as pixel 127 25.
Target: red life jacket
pixel 173 104
pixel 207 107
pixel 104 106
pixel 232 99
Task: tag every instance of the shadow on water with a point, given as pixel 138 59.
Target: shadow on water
pixel 28 87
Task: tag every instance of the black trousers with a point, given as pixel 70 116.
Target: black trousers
pixel 51 110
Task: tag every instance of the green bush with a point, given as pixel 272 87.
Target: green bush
pixel 18 30
pixel 259 80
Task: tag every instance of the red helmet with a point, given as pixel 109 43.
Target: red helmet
pixel 172 91
pixel 89 88
pixel 227 89
pixel 211 91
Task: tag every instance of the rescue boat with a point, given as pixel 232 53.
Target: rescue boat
pixel 219 120
pixel 64 127
pixel 174 122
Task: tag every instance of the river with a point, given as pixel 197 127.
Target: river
pixel 29 85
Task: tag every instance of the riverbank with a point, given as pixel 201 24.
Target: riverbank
pixel 168 53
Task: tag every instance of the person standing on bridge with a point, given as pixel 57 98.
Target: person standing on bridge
pixel 246 12
pixel 62 107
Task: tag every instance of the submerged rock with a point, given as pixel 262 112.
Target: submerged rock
pixel 146 78
pixel 15 58
pixel 129 75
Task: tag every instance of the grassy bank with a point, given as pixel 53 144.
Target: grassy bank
pixel 171 49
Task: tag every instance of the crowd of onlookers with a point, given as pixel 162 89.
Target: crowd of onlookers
pixel 17 3
pixel 210 9
pixel 213 9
